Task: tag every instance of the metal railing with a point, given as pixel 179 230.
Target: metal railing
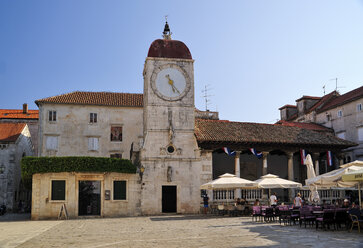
pixel 248 194
pixel 327 194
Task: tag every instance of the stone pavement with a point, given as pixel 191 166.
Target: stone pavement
pixel 168 231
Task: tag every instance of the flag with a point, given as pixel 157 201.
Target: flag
pixel 302 155
pixel 229 151
pixel 329 158
pixel 257 154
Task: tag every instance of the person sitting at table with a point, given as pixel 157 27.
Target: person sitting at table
pixel 346 203
pixel 297 200
pixel 238 202
pixel 338 203
pixel 243 201
pixel 257 203
pixel 354 205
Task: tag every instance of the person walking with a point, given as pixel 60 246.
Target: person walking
pixel 205 202
pixel 298 200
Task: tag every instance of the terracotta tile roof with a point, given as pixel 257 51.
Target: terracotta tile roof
pixel 259 134
pixel 309 97
pixel 320 104
pixel 287 106
pixel 9 132
pixel 310 126
pixel 324 100
pixel 343 99
pixel 18 114
pixel 96 98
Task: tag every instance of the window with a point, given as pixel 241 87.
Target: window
pixel 119 190
pixel 116 155
pixel 52 115
pixel 116 133
pixel 58 190
pixel 340 113
pixel 359 107
pixel 360 133
pixel 52 142
pixel 341 135
pixel 93 144
pixel 93 118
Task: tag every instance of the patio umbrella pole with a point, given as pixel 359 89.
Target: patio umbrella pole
pixel 269 195
pixel 359 195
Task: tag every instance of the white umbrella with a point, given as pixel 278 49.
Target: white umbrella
pixel 271 181
pixel 228 181
pixel 314 195
pixel 334 178
pixel 355 176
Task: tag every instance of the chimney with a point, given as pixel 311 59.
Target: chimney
pixel 25 108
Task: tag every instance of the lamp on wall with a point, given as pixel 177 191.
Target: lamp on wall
pixel 141 172
pixel 2 168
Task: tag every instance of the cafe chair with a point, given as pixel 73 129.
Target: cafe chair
pixel 355 222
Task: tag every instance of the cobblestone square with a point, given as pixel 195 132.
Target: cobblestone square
pixel 168 231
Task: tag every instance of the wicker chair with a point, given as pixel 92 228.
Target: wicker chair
pixel 355 221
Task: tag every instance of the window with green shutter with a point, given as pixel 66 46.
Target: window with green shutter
pixel 119 190
pixel 58 190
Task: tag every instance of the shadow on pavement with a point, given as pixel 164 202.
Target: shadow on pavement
pixel 14 217
pixel 184 217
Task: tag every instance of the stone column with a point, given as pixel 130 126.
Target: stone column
pixel 264 163
pixel 237 172
pixel 290 165
pixel 290 172
pixel 341 160
pixel 316 158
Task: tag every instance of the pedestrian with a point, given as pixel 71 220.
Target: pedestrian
pixel 205 202
pixel 273 199
pixel 298 200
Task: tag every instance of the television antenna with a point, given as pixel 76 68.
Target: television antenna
pixel 336 84
pixel 207 96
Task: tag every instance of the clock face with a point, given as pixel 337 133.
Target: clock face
pixel 170 84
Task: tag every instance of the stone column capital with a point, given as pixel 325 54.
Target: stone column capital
pixel 289 155
pixel 316 155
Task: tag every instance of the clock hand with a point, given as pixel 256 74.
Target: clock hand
pixel 175 89
pixel 171 83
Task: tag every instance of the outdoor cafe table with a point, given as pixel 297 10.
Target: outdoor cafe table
pixel 318 213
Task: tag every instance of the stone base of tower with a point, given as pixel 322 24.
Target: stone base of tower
pixel 167 183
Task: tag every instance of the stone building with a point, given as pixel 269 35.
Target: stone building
pixel 15 143
pixel 175 146
pixel 24 115
pixel 342 113
pixel 100 124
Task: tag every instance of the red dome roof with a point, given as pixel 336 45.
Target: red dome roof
pixel 169 49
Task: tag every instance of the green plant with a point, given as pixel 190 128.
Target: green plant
pixel 32 165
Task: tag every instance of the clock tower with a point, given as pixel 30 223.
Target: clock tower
pixel 169 157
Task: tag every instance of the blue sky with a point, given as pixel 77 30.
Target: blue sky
pixel 256 56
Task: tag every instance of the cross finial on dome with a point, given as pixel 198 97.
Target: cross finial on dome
pixel 166 33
